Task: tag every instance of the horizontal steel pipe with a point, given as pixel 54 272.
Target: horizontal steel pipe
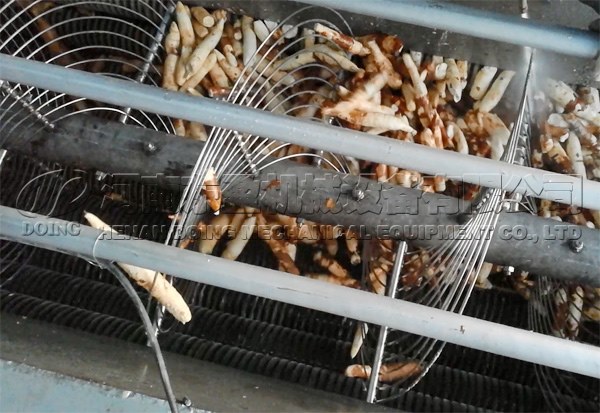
pixel 512 178
pixel 89 243
pixel 443 15
pixel 301 190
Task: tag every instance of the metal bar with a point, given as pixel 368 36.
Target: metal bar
pixel 152 52
pixel 383 330
pixel 2 156
pixel 442 15
pixel 151 55
pixel 89 243
pixel 385 211
pixel 524 9
pixel 473 169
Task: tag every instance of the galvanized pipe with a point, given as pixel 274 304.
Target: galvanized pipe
pixel 472 169
pixel 443 15
pixel 90 243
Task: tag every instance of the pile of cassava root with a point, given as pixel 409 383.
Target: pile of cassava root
pixel 386 91
pixel 569 143
pixel 380 88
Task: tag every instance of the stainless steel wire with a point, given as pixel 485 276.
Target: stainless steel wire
pixel 112 38
pixel 90 38
pixel 231 154
pixel 451 272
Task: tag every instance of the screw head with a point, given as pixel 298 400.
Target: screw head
pixel 100 176
pixel 150 147
pixel 186 401
pixel 509 270
pixel 358 194
pixel 576 245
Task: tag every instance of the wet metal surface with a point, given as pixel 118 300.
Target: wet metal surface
pixel 29 389
pixel 131 367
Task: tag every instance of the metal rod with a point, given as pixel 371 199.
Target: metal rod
pixel 524 8
pixel 151 55
pixel 478 23
pixel 472 169
pixel 89 243
pixel 383 330
pixel 2 156
pixel 383 210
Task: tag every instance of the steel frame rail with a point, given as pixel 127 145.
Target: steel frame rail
pixel 468 168
pixel 89 243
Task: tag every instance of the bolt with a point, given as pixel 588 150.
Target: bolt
pixel 509 270
pixel 576 245
pixel 150 147
pixel 358 194
pixel 100 176
pixel 186 401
